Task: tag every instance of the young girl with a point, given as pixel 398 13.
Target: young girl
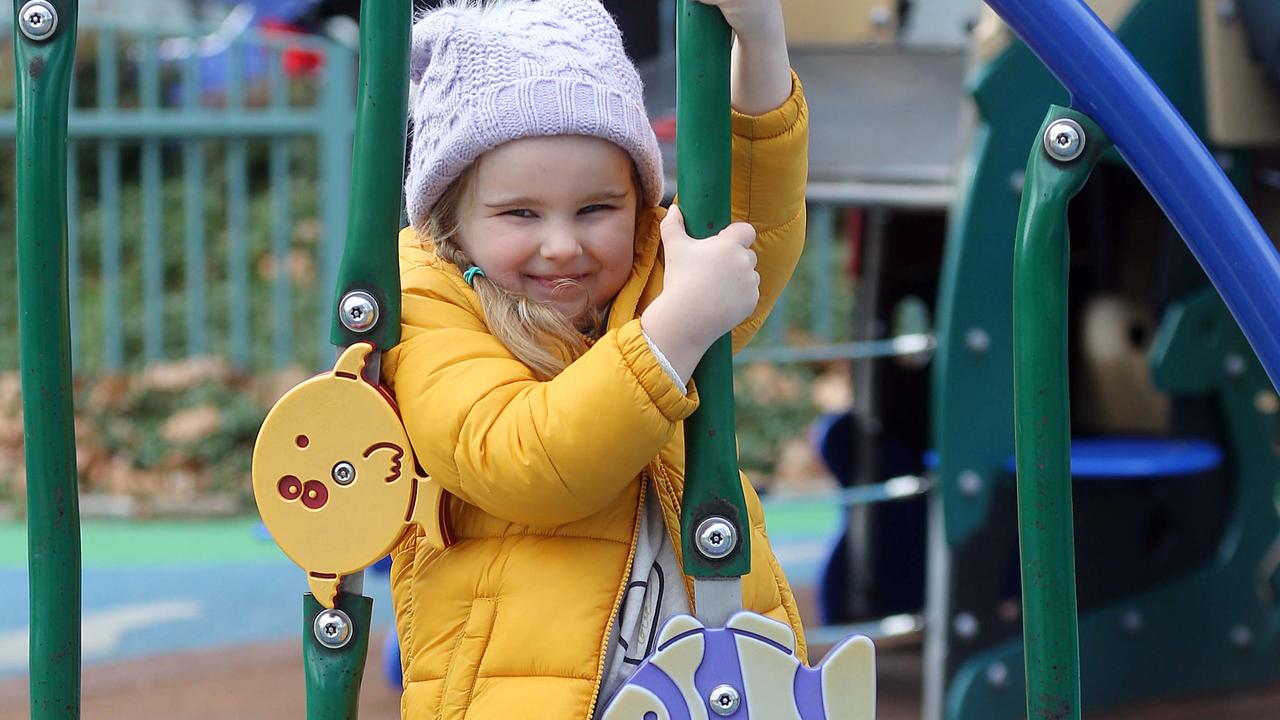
pixel 553 315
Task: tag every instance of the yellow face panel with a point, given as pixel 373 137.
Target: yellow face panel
pixel 333 473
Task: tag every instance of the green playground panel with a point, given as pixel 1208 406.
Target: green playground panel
pixel 1179 646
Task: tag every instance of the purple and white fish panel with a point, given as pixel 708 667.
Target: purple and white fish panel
pixel 747 670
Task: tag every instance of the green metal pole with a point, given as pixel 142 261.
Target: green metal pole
pixel 369 265
pixel 334 674
pixel 1068 146
pixel 704 153
pixel 369 258
pixel 43 60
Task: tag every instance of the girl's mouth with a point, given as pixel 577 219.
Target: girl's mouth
pixel 556 282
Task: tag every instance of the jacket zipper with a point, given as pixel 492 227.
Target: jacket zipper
pixel 617 601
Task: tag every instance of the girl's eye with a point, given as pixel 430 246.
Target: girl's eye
pixel 520 213
pixel 594 208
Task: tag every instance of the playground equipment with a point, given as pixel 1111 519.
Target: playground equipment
pixel 1177 556
pixel 336 530
pixel 973 656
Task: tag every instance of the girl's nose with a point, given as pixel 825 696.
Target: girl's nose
pixel 560 243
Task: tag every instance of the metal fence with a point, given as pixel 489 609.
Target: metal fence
pixel 207 199
pixel 207 202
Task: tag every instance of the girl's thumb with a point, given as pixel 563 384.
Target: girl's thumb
pixel 673 224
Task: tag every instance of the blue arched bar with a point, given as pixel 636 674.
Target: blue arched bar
pixel 1107 84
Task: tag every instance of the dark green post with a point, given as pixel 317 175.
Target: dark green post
pixel 1065 151
pixel 44 46
pixel 369 265
pixel 334 674
pixel 704 152
pixel 369 257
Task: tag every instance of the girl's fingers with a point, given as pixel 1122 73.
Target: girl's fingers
pixel 741 233
pixel 672 223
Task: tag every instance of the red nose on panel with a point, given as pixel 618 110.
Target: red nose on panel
pixel 289 487
pixel 315 494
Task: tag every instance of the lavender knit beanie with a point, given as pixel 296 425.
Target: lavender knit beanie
pixel 486 74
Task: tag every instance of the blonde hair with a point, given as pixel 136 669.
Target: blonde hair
pixel 539 335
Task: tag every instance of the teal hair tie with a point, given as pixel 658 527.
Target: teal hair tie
pixel 471 273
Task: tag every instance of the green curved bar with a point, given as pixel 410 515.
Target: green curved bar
pixel 704 152
pixel 369 263
pixel 1042 422
pixel 334 676
pixel 369 258
pixel 53 507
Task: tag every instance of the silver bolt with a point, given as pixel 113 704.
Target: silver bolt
pixel 1064 140
pixel 332 628
pixel 998 675
pixel 358 311
pixel 881 17
pixel 39 20
pixel 344 473
pixel 1234 365
pixel 970 483
pixel 977 340
pixel 724 700
pixel 1241 637
pixel 966 625
pixel 1132 621
pixel 1018 181
pixel 716 537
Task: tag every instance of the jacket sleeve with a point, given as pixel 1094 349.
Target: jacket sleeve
pixel 770 172
pixel 532 452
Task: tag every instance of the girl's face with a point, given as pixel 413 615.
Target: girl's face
pixel 553 218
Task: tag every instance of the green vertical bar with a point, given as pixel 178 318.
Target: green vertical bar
pixel 1042 422
pixel 369 260
pixel 43 71
pixel 237 217
pixel 109 209
pixel 369 263
pixel 194 226
pixel 333 676
pixel 335 173
pixel 73 230
pixel 73 246
pixel 818 248
pixel 152 247
pixel 704 151
pixel 281 291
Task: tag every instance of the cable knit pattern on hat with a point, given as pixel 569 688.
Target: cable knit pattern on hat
pixel 487 74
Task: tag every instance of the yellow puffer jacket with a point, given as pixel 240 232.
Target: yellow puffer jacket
pixel 512 620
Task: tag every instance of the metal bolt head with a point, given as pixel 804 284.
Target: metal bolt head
pixel 38 20
pixel 358 311
pixel 344 473
pixel 1241 637
pixel 1064 140
pixel 332 628
pixel 977 340
pixel 1234 365
pixel 881 17
pixel 997 675
pixel 970 483
pixel 724 700
pixel 1132 621
pixel 965 625
pixel 716 537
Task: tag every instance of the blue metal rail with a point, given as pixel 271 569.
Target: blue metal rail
pixel 1107 84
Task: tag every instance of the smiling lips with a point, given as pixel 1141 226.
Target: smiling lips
pixel 555 282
